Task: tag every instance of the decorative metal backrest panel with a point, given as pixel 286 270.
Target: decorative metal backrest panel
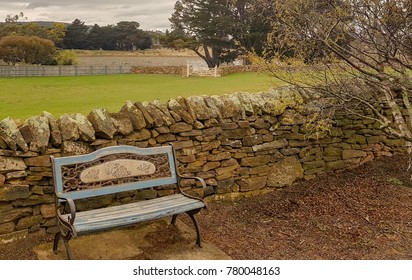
pixel 115 169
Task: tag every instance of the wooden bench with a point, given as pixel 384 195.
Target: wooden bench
pixel 113 170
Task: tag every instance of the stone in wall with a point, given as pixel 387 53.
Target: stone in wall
pixel 198 108
pixel 14 214
pixel 252 103
pixel 215 104
pixel 341 164
pixel 34 200
pixel 148 118
pixel 180 109
pixel 169 120
pixel 71 148
pixel 234 108
pixel 276 101
pixel 141 135
pixel 134 114
pixel 28 222
pixel 122 123
pixel 11 135
pixel 357 139
pixel 13 192
pixel 8 164
pixel 181 127
pixel 175 116
pixel 348 154
pixel 15 175
pixel 48 210
pixel 68 128
pixel 160 114
pixel 74 127
pixel 55 135
pixel 38 131
pixel 251 184
pixel 332 152
pixel 179 145
pixel 86 130
pixel 225 186
pixel 291 117
pixel 7 228
pixel 252 140
pixel 226 172
pixel 102 123
pixel 248 105
pixel 3 144
pixel 255 160
pixel 285 172
pixel 38 161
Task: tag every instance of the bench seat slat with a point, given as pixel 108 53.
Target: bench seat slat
pixel 122 215
pixel 141 206
pixel 129 209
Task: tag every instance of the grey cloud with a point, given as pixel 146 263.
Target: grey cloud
pixel 35 5
pixel 150 14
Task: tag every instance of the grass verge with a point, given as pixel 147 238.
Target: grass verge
pixel 30 96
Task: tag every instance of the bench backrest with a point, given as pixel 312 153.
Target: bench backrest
pixel 113 169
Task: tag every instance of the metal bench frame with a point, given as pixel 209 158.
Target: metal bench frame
pixel 69 187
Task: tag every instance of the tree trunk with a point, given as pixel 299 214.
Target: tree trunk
pixel 209 59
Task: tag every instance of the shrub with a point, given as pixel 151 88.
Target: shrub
pixel 66 57
pixel 27 49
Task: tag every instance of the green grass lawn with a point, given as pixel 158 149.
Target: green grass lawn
pixel 21 98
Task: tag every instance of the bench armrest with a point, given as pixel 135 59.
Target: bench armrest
pixel 201 180
pixel 72 209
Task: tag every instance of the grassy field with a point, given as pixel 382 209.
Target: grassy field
pixel 21 98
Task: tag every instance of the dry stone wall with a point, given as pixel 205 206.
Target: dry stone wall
pixel 175 70
pixel 241 144
pixel 182 70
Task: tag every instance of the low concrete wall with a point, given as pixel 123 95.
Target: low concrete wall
pixel 68 70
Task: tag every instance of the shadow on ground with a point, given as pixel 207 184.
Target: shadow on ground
pixel 148 241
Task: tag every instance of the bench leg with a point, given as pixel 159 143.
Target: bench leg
pixel 174 218
pixel 193 218
pixel 65 239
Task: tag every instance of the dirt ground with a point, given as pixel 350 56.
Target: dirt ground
pixel 364 213
pixel 359 214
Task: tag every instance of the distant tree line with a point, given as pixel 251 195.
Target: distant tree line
pixel 125 36
pixel 50 43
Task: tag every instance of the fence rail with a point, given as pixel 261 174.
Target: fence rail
pixel 69 70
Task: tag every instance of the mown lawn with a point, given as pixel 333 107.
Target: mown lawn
pixel 21 98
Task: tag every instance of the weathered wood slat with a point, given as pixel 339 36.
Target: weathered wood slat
pixel 122 215
pixel 141 206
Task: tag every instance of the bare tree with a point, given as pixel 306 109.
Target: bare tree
pixel 356 51
pixel 15 18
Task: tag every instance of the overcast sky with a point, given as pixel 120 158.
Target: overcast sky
pixel 151 14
